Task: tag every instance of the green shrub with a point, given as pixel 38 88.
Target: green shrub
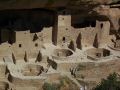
pixel 48 86
pixel 111 83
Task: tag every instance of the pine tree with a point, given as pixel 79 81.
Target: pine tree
pixel 25 57
pixel 39 57
pixel 14 59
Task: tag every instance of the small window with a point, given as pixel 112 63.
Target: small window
pixel 101 25
pixel 66 28
pixel 64 39
pixel 98 54
pixel 20 45
pixel 36 44
pixel 85 45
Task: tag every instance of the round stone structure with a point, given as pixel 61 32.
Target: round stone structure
pixel 97 53
pixel 62 54
pixel 32 70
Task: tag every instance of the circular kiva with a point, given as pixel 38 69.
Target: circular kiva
pixel 97 53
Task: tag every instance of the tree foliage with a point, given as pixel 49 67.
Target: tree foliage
pixel 111 83
pixel 48 86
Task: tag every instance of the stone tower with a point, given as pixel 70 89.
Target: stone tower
pixel 63 26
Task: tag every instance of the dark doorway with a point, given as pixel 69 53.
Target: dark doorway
pixel 64 39
pixel 101 25
pixel 20 45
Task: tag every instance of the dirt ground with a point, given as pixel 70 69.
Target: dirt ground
pixel 92 73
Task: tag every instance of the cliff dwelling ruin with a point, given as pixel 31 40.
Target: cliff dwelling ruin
pixel 40 44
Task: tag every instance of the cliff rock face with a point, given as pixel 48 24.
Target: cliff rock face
pixel 94 8
pixel 112 13
pixel 28 4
